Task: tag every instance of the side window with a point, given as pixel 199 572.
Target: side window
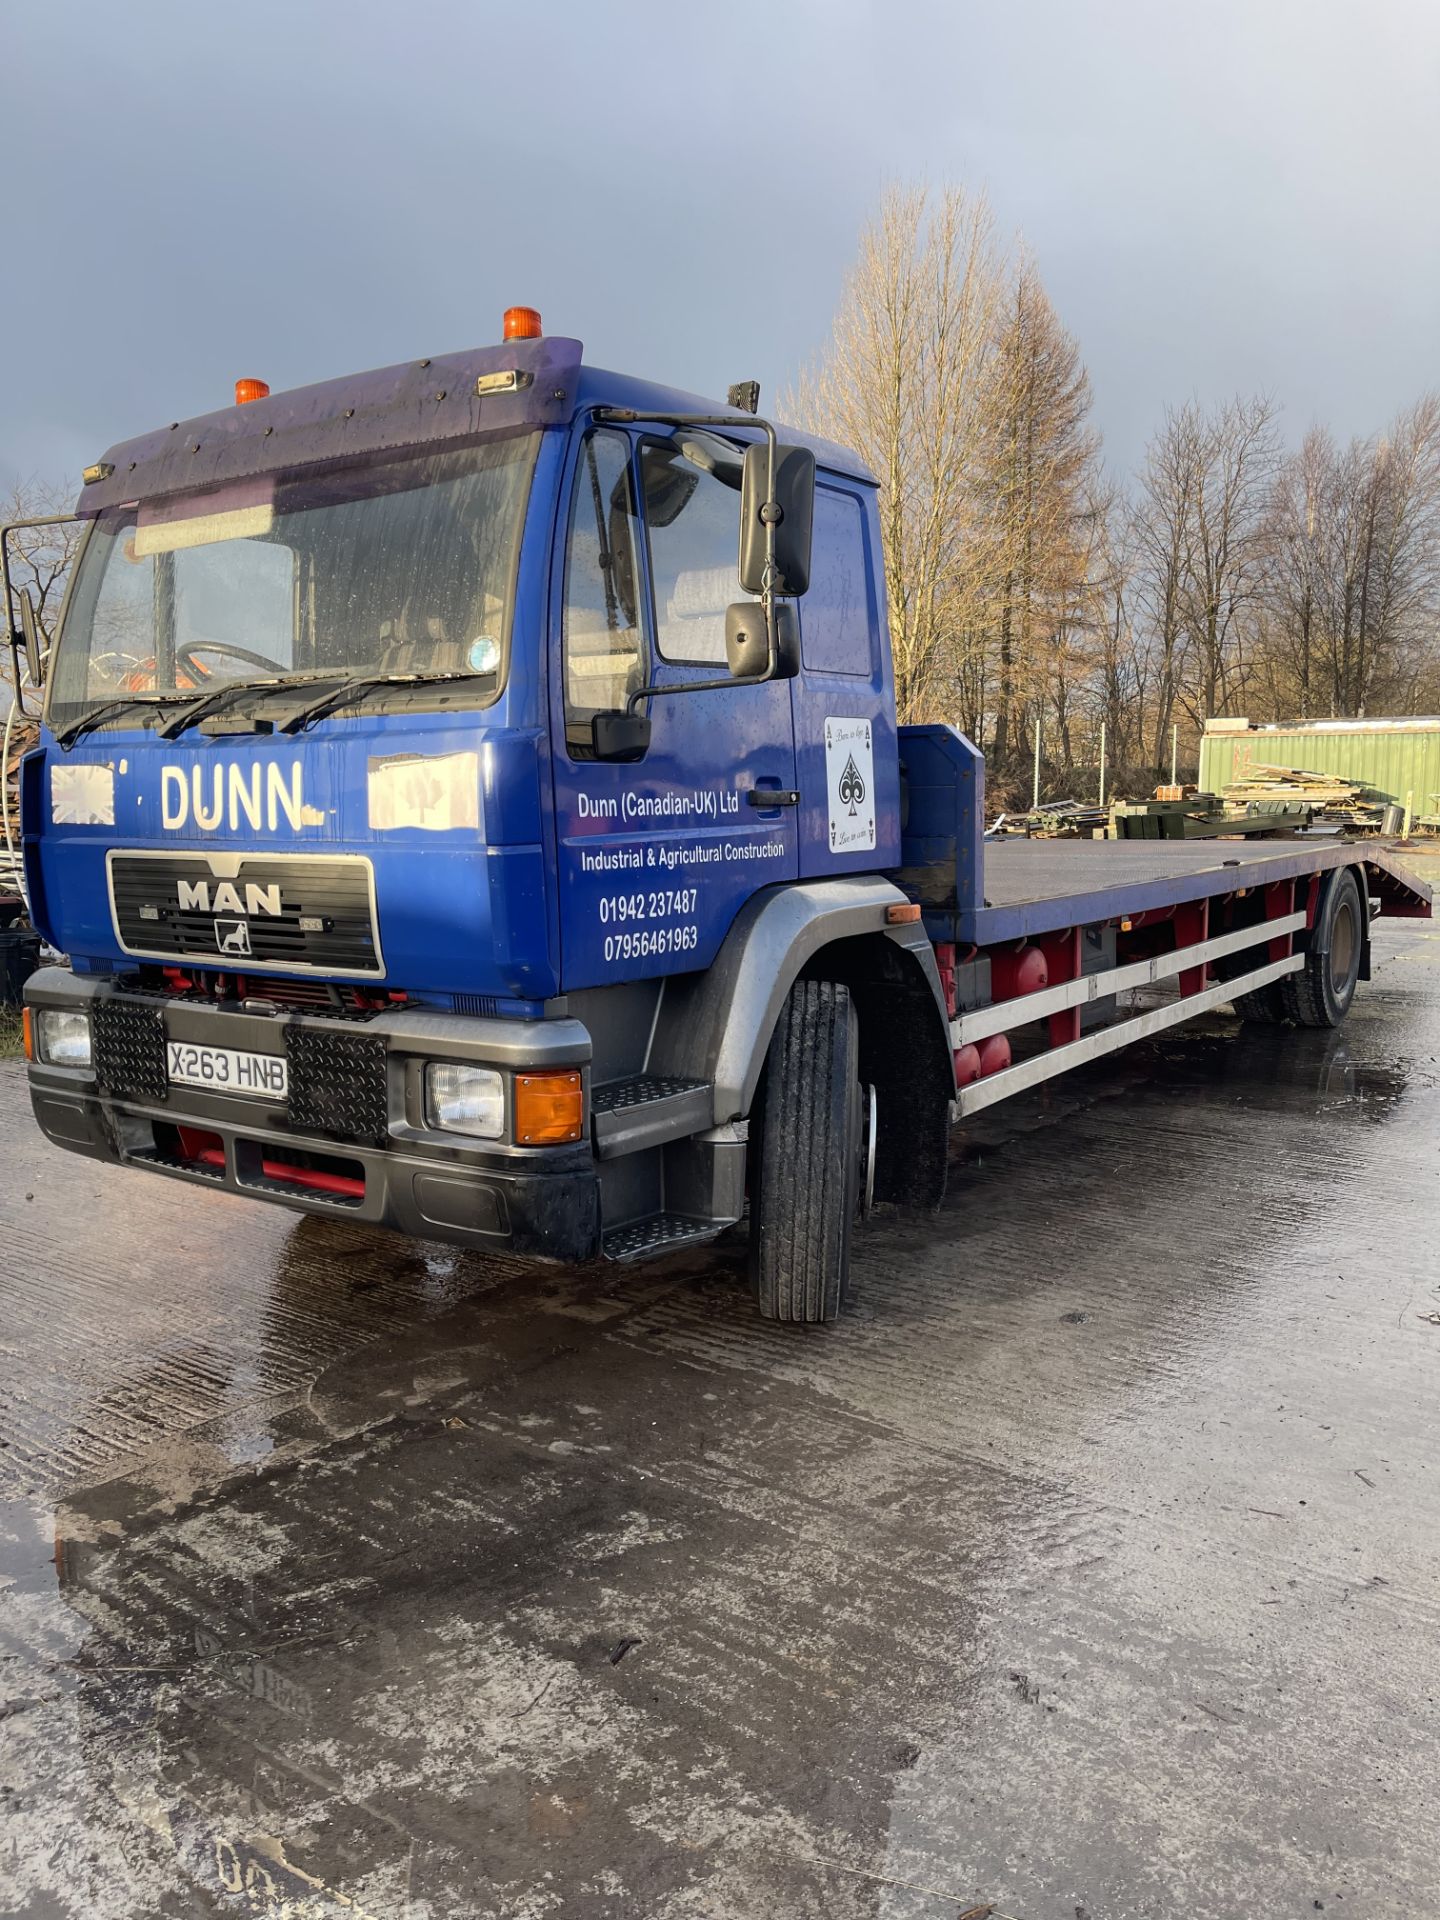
pixel 692 515
pixel 835 625
pixel 601 635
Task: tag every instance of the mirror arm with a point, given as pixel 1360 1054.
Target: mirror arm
pixel 709 686
pixel 769 518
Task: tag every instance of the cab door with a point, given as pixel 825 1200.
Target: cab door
pixel 656 856
pixel 848 769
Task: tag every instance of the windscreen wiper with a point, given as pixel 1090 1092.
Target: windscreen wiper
pixel 356 689
pixel 218 698
pixel 110 710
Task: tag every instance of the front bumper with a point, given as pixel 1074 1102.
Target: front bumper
pixel 399 1172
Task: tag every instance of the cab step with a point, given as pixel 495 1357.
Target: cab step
pixel 659 1233
pixel 647 1110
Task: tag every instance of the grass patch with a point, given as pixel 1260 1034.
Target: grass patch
pixel 12 1043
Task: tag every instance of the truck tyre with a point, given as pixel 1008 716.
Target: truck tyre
pixel 806 1145
pixel 1320 994
pixel 1263 1007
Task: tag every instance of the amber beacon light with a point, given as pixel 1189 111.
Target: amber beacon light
pixel 248 390
pixel 522 323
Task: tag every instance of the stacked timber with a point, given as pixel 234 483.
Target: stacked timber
pixel 23 735
pixel 1327 796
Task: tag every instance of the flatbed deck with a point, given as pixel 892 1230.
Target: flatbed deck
pixel 1037 886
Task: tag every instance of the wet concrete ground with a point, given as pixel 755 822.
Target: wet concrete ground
pixel 1087 1571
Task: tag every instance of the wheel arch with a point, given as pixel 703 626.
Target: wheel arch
pixel 1318 938
pixel 717 1025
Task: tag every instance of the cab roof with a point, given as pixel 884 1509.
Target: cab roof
pixel 405 408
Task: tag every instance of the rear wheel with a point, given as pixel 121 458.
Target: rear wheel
pixel 1320 994
pixel 1263 1007
pixel 807 1142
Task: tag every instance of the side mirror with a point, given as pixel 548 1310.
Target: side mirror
pixel 620 736
pixel 747 645
pixel 795 497
pixel 34 643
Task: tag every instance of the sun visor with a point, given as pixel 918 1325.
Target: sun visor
pixel 243 512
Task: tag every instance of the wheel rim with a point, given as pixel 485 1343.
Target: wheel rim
pixel 1342 947
pixel 867 1152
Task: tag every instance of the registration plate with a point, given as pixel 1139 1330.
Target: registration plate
pixel 227 1070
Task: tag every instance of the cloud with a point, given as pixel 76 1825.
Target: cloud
pixel 1219 197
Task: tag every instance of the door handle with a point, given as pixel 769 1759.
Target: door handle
pixel 773 797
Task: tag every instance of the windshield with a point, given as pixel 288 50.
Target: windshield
pixel 405 567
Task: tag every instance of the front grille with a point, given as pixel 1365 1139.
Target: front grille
pixel 338 1084
pixel 175 906
pixel 337 1000
pixel 315 996
pixel 128 1043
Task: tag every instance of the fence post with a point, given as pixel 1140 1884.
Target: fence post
pixel 1039 718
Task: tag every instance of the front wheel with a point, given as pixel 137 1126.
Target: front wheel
pixel 807 1139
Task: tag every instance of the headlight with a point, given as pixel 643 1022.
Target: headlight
pixel 465 1100
pixel 64 1037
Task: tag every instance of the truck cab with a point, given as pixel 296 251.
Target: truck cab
pixel 436 826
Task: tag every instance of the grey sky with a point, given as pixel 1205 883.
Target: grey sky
pixel 1220 196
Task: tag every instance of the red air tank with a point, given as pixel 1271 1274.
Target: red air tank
pixel 994 1052
pixel 967 1066
pixel 1016 970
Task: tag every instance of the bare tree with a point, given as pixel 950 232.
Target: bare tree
pixel 1203 528
pixel 1354 568
pixel 1296 535
pixel 1226 550
pixel 1161 537
pixel 40 557
pixel 903 381
pixel 1398 555
pixel 1088 654
pixel 1122 678
pixel 1020 585
pixel 1038 474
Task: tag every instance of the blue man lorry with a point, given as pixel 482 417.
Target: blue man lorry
pixel 470 799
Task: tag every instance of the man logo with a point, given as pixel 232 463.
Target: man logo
pixel 196 896
pixel 233 937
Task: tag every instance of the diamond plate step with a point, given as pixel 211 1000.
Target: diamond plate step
pixel 661 1233
pixel 646 1111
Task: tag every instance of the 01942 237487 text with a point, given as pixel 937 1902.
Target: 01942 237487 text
pixel 659 903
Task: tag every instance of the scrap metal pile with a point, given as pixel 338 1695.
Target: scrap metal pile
pixel 1056 820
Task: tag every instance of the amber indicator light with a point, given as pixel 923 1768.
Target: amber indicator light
pixel 549 1109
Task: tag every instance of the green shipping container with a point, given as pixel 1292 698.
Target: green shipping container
pixel 1398 758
